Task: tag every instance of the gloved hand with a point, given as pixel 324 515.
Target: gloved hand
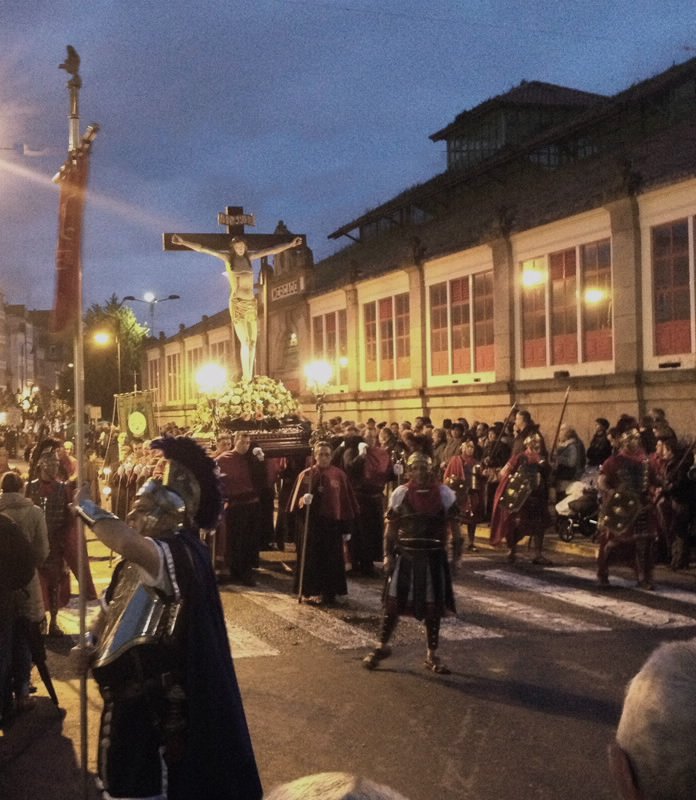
pixel 362 448
pixel 306 500
pixel 258 452
pixel 398 470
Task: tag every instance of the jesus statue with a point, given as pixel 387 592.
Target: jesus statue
pixel 243 310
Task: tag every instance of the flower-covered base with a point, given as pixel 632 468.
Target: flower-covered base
pixel 261 403
pixel 264 408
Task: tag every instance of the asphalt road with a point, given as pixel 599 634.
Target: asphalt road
pixel 539 659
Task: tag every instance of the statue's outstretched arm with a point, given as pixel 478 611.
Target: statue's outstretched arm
pixel 176 239
pixel 280 248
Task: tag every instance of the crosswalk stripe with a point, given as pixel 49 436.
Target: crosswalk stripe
pixel 669 592
pixel 527 614
pixel 451 629
pixel 245 645
pixel 311 620
pixel 631 612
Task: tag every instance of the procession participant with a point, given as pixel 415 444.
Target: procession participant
pixel 626 521
pixel 521 503
pixel 599 448
pixel 53 498
pixel 524 427
pixel 673 498
pixel 463 476
pixel 173 725
pixel 494 456
pixel 323 492
pixel 421 527
pixel 243 475
pixel 369 469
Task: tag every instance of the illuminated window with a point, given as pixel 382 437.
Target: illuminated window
pixel 173 378
pixel 567 311
pixel 564 307
pixel 153 377
pixel 671 288
pixel 461 325
pixel 330 342
pixel 387 338
pixel 194 359
pixel 598 337
pixel 534 313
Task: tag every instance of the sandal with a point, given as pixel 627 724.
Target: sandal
pixel 434 664
pixel 372 659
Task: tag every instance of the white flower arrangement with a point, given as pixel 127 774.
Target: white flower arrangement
pixel 260 399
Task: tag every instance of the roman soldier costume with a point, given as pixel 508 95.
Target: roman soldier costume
pixel 626 521
pixel 173 726
pixel 53 496
pixel 421 526
pixel 520 506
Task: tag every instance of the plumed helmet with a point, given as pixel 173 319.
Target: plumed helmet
pixel 533 441
pixel 419 459
pixel 192 475
pixel 43 449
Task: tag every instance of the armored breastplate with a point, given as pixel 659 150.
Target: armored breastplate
pixel 139 639
pixel 420 531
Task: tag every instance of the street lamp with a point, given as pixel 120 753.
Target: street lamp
pixel 103 338
pixel 152 301
pixel 211 379
pixel 318 375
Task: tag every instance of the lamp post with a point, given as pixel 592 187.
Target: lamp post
pixel 318 375
pixel 211 379
pixel 151 301
pixel 103 338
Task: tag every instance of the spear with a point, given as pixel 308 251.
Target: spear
pixel 558 427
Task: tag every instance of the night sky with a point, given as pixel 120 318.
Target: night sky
pixel 309 111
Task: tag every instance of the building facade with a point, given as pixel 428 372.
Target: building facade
pixel 556 250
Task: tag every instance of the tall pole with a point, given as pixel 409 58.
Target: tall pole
pixel 118 360
pixel 68 314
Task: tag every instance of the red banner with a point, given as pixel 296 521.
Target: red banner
pixel 68 302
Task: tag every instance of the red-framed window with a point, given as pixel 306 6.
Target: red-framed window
pixel 461 325
pixel 387 338
pixel 564 307
pixel 671 289
pixel 534 280
pixel 484 348
pixel 330 342
pixel 597 322
pixel 370 318
pixel 439 329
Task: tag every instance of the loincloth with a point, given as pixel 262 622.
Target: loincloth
pixel 243 309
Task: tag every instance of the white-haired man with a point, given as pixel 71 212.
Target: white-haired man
pixel 653 756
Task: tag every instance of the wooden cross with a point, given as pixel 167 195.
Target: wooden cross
pixel 235 220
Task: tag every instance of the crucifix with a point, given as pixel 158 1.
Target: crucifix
pixel 237 249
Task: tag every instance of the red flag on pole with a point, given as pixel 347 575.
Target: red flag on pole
pixel 73 178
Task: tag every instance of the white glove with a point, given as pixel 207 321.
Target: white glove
pixel 343 444
pixel 307 499
pixel 398 469
pixel 258 452
pixel 362 448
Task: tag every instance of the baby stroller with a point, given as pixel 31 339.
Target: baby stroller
pixel 576 514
